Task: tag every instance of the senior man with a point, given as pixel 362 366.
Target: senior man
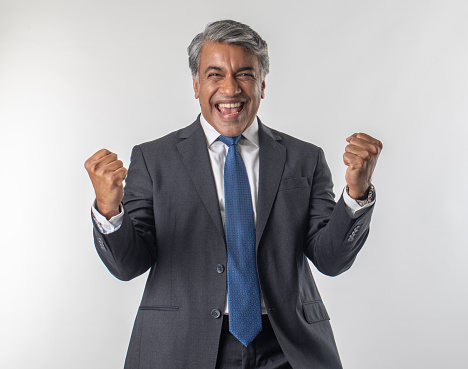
pixel 225 214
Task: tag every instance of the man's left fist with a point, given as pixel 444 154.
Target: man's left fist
pixel 360 156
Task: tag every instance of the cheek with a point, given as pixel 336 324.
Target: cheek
pixel 257 95
pixel 206 95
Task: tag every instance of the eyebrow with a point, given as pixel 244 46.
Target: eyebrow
pixel 213 68
pixel 241 69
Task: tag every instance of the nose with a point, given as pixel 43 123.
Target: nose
pixel 230 87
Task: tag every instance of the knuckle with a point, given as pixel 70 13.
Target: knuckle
pixel 103 176
pixel 115 177
pixel 93 167
pixel 90 162
pixel 102 173
pixel 98 169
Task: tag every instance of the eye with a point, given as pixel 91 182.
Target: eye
pixel 246 75
pixel 214 75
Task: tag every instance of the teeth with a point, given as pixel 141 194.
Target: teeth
pixel 236 105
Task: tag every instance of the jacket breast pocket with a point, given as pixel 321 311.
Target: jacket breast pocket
pixel 314 311
pixel 292 183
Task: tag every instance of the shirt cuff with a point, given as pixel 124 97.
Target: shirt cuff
pixel 107 226
pixel 354 209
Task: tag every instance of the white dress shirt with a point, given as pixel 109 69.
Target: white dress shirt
pixel 248 147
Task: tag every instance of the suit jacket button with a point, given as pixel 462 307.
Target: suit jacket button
pixel 215 313
pixel 101 244
pixel 220 268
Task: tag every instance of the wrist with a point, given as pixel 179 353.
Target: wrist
pixel 107 211
pixel 368 198
pixel 357 194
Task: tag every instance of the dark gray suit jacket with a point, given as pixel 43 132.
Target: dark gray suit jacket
pixel 172 226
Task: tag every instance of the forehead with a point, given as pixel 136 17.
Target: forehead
pixel 226 57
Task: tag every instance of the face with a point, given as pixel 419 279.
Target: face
pixel 229 87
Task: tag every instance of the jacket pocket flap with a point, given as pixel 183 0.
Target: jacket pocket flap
pixel 314 311
pixel 158 307
pixel 291 183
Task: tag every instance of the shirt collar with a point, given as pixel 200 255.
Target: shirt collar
pixel 251 133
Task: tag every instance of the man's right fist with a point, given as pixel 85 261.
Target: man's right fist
pixel 107 174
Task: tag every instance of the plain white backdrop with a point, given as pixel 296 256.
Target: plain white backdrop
pixel 77 76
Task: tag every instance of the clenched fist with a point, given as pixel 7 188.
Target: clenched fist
pixel 360 156
pixel 107 174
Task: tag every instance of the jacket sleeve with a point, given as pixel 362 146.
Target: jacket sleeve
pixel 334 238
pixel 130 251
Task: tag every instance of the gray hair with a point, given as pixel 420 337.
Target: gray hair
pixel 229 32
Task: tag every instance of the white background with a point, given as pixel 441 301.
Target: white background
pixel 76 76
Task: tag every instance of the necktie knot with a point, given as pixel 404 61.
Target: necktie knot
pixel 229 141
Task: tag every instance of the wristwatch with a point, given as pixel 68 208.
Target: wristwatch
pixel 370 196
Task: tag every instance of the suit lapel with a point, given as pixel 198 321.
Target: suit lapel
pixel 195 155
pixel 272 160
pixel 197 162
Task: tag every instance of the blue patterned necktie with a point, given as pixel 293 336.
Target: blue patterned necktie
pixel 245 314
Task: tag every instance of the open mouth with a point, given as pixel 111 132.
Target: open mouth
pixel 230 108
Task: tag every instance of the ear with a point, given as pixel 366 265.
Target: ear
pixel 196 87
pixel 263 89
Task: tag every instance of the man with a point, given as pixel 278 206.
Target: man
pixel 225 213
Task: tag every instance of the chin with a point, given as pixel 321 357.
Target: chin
pixel 232 129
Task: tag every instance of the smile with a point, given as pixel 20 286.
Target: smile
pixel 230 108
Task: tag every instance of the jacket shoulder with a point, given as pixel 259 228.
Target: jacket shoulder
pixel 169 141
